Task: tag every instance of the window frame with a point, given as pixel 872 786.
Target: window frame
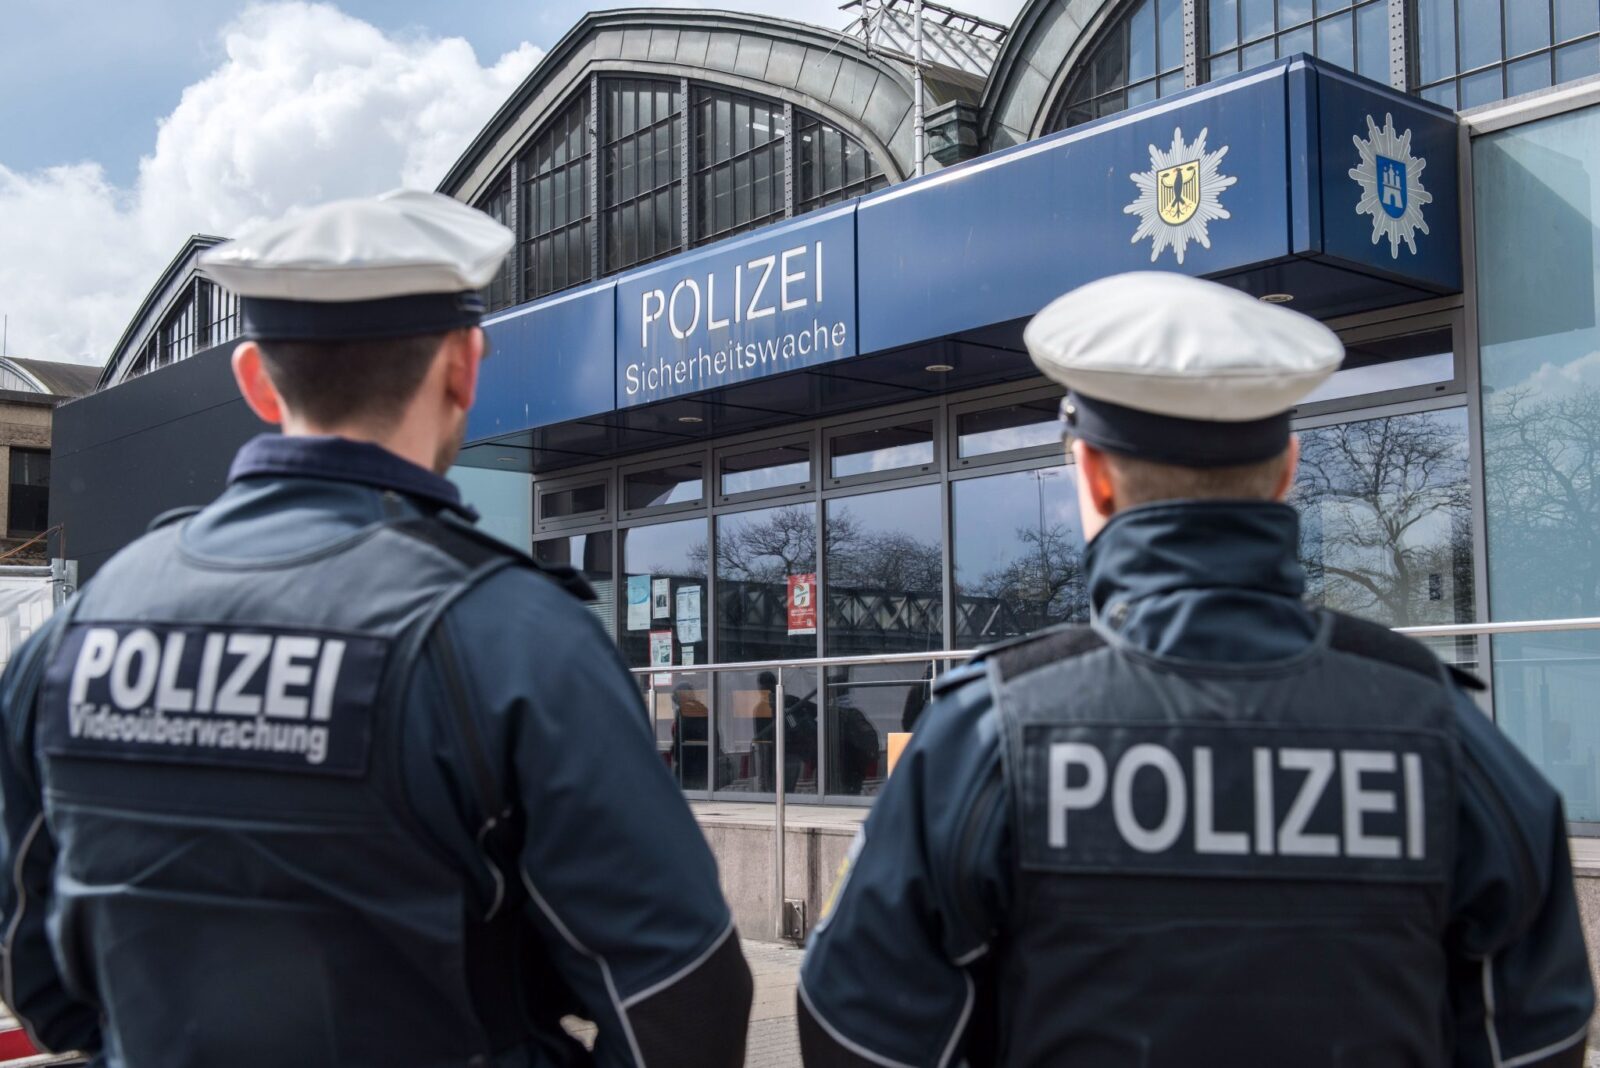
pixel 700 165
pixel 655 463
pixel 1363 329
pixel 955 462
pixel 567 524
pixel 604 143
pixel 899 474
pixel 807 437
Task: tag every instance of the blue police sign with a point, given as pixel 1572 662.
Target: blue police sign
pixel 779 300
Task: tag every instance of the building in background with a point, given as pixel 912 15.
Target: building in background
pixel 766 387
pixel 30 391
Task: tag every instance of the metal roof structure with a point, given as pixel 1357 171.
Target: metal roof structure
pixel 56 379
pixel 950 38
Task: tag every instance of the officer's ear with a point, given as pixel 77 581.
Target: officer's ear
pixel 255 385
pixel 1097 495
pixel 462 354
pixel 1291 464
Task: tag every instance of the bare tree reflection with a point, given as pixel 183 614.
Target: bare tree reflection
pixel 1386 507
pixel 1043 584
pixel 1542 456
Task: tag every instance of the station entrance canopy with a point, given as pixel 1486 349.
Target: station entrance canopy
pixel 1296 178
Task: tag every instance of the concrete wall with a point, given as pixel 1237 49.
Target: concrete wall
pixel 815 843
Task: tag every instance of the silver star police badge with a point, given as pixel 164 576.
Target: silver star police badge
pixel 1391 185
pixel 1179 196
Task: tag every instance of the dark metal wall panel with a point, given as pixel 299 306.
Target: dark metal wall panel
pixel 160 441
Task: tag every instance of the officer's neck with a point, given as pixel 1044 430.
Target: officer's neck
pixel 416 440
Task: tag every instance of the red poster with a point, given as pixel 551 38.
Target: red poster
pixel 803 604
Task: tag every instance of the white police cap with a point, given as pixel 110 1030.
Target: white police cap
pixel 1167 367
pixel 406 262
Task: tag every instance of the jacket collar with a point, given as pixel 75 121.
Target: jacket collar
pixel 338 459
pixel 1205 579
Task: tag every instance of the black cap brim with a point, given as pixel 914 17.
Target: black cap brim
pixel 1169 439
pixel 270 319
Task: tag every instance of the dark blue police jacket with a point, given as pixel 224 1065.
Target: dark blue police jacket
pixel 1039 884
pixel 321 775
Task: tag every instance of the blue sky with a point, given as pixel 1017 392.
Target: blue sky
pixel 68 95
pixel 127 125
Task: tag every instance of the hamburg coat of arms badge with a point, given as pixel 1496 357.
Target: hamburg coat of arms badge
pixel 1180 195
pixel 1390 178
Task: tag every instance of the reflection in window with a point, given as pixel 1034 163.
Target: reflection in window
pixel 682 721
pixel 1389 363
pixel 766 469
pixel 889 448
pixel 497 206
pixel 28 510
pixel 591 555
pixel 865 704
pixel 572 501
pixel 738 163
pixel 1471 52
pixel 746 756
pixel 1029 425
pixel 767 584
pixel 664 603
pixel 555 205
pixel 678 483
pixel 641 172
pixel 1247 33
pixel 1386 518
pixel 1018 555
pixel 885 572
pixel 1541 433
pixel 1137 59
pixel 831 165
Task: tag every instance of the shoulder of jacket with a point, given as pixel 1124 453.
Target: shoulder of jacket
pixel 1016 656
pixel 473 549
pixel 1374 641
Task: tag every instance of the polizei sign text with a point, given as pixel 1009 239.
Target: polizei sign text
pixel 271 699
pixel 739 311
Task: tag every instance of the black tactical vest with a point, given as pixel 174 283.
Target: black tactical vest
pixel 242 879
pixel 1227 864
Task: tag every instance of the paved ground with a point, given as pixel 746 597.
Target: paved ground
pixel 773 1041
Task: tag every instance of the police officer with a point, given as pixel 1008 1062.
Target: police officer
pixel 1215 826
pixel 321 775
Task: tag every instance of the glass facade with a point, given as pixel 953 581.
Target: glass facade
pixel 1386 517
pixel 640 172
pixel 956 526
pixel 1018 555
pixel 951 522
pixel 738 154
pixel 664 567
pixel 202 315
pixel 556 218
pixel 658 169
pixel 1139 58
pixel 1460 53
pixel 28 507
pixel 1247 33
pixel 1537 187
pixel 497 205
pixel 830 165
pixel 1472 52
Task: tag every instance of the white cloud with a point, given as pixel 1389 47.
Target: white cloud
pixel 309 104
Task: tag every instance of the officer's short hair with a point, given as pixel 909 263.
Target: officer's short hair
pixel 1139 481
pixel 365 380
